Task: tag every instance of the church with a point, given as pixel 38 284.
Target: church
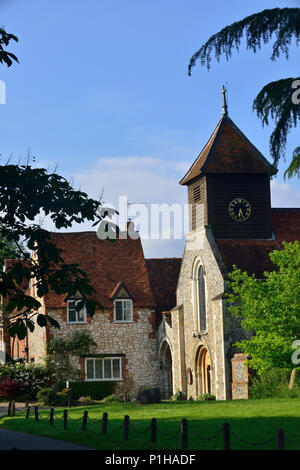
pixel 231 223
pixel 164 321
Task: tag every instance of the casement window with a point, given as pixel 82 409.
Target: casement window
pixel 73 315
pixel 108 368
pixel 123 310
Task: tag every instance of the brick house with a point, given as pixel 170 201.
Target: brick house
pixel 125 330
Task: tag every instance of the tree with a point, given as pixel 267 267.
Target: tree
pixel 5 56
pixel 8 250
pixel 269 307
pixel 277 100
pixel 25 192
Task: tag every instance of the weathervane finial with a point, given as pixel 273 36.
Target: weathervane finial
pixel 224 106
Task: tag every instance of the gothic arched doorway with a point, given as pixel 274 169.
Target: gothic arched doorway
pixel 203 371
pixel 166 370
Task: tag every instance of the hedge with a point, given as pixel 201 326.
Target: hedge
pixel 95 390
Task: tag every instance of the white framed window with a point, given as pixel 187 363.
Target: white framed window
pixel 123 310
pixel 73 315
pixel 107 368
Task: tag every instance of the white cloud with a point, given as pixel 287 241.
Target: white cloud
pixel 284 195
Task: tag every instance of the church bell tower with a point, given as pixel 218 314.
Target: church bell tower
pixel 229 185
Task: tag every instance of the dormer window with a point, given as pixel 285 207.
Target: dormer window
pixel 123 303
pixel 123 310
pixel 74 313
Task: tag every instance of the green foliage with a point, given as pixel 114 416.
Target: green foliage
pixel 6 57
pixel 80 342
pixel 61 350
pixel 31 377
pixel 9 250
pixel 274 383
pixel 270 308
pixel 274 99
pixel 24 193
pixel 258 28
pixel 294 167
pixel 206 397
pixel 95 390
pixel 179 396
pixel 47 396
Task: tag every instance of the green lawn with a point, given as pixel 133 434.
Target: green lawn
pixel 253 420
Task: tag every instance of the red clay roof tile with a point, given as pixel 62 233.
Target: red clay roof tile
pixel 163 274
pixel 252 255
pixel 106 264
pixel 228 151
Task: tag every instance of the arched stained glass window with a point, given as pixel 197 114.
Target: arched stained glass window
pixel 201 299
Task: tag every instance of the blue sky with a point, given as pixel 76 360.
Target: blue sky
pixel 102 92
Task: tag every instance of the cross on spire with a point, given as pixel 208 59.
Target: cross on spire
pixel 224 106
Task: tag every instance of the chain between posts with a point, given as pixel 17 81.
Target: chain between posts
pixel 126 424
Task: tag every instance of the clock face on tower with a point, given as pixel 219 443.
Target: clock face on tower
pixel 239 209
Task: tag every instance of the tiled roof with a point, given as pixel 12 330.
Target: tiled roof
pixel 106 264
pixel 252 255
pixel 228 151
pixel 163 274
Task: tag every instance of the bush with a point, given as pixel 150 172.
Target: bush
pixel 274 383
pixel 9 388
pixel 95 390
pixel 179 396
pixel 31 377
pixel 206 397
pixel 47 396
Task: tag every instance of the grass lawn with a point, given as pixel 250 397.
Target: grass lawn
pixel 253 420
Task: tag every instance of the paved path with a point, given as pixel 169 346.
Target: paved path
pixel 22 441
pixel 4 407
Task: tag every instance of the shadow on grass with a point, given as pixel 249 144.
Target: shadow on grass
pixel 253 430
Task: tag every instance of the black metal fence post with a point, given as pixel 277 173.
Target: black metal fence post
pixel 84 420
pixel 280 440
pixel 126 427
pixel 36 413
pixel 27 412
pixel 184 433
pixel 153 429
pixel 226 436
pixel 104 423
pixel 51 417
pixel 65 419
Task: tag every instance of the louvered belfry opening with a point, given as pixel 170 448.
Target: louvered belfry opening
pixel 197 197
